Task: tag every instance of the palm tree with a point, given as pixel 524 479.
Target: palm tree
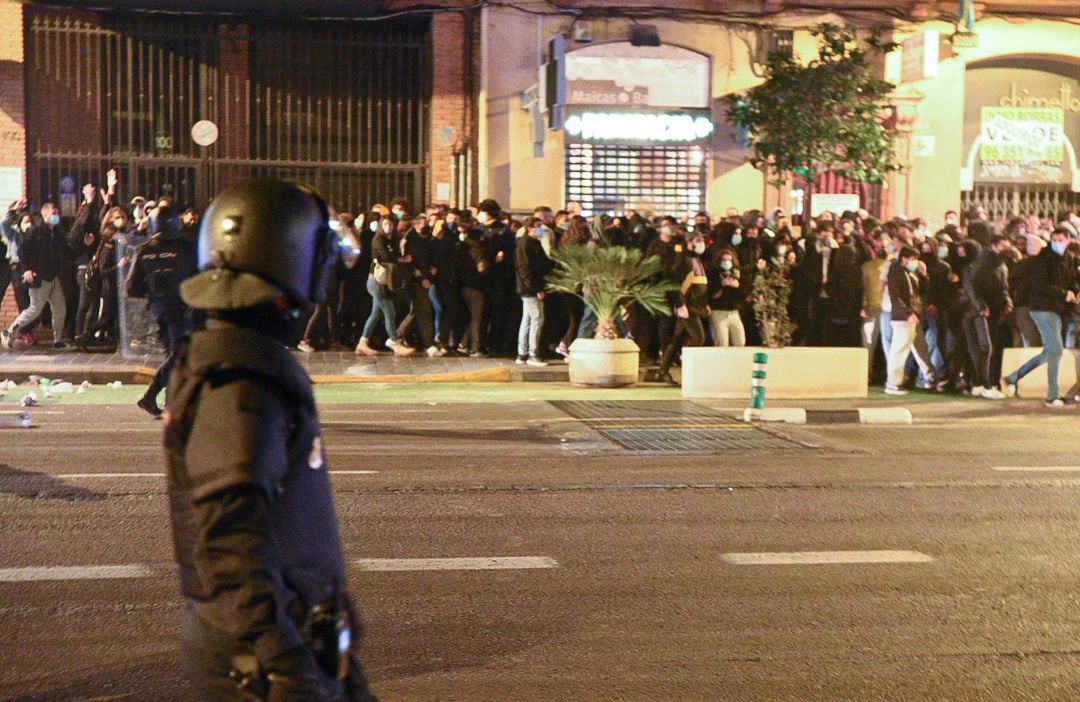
pixel 607 279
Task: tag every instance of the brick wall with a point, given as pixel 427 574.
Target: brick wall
pixel 449 123
pixel 12 111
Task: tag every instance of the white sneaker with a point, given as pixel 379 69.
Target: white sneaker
pixel 1057 403
pixel 536 362
pixel 893 390
pixel 993 394
pixel 977 391
pixel 1010 389
pixel 305 347
pixel 7 339
pixel 391 344
pixel 434 351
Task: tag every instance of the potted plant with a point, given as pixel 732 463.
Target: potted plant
pixel 772 289
pixel 607 279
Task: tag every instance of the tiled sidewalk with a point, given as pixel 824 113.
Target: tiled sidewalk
pixel 323 366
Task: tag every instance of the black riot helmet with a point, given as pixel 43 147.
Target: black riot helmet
pixel 165 221
pixel 261 239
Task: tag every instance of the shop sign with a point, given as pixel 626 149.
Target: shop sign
pixel 1022 135
pixel 638 127
pixel 837 203
pixel 621 75
pixel 11 186
pixel 920 56
pixel 1021 122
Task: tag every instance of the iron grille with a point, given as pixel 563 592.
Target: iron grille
pixel 340 106
pixel 1005 200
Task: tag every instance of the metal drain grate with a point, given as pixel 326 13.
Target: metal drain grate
pixel 670 427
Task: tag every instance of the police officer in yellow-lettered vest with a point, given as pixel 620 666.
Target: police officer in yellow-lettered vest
pixel 269 615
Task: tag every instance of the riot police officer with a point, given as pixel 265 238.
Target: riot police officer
pixel 160 265
pixel 269 614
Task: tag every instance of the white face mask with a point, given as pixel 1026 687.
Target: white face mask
pixel 462 237
pixel 665 231
pixel 781 251
pixel 699 247
pixel 483 218
pixel 118 223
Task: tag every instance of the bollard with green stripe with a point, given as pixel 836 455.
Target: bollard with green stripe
pixel 757 381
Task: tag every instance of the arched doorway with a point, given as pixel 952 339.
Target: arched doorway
pixel 1021 134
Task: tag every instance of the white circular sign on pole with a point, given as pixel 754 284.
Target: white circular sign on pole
pixel 204 132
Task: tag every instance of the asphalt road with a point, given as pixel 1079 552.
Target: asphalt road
pixel 641 597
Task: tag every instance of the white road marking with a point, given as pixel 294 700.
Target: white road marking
pixel 826 557
pixel 401 564
pixel 382 565
pixel 1037 469
pixel 108 572
pixel 74 476
pixel 79 476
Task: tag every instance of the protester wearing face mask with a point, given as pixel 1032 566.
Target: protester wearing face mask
pixel 502 302
pixel 727 295
pixel 473 274
pixel 40 257
pixel 986 286
pixel 1054 288
pixel 1020 289
pixel 691 306
pixel 653 333
pixel 940 294
pixel 907 307
pixel 102 276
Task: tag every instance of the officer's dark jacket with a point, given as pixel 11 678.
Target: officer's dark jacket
pixel 252 512
pixel 159 268
pixel 1052 276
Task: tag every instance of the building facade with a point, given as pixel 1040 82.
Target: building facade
pixel 598 106
pixel 607 105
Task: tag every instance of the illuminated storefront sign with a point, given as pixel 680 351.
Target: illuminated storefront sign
pixel 638 127
pixel 619 74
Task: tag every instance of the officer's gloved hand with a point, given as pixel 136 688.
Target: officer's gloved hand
pixel 303 689
pixel 295 677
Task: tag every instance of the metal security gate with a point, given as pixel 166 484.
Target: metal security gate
pixel 1006 200
pixel 340 106
pixel 658 179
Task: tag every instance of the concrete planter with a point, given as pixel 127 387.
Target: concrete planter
pixel 792 373
pixel 603 363
pixel 1036 384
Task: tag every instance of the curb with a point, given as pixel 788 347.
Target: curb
pixel 488 375
pixel 862 415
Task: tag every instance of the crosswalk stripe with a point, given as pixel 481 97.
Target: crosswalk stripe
pixel 1037 469
pixel 403 564
pixel 380 565
pixel 79 476
pixel 826 557
pixel 101 572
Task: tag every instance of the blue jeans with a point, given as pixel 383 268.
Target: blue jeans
pixel 383 304
pixel 532 321
pixel 1049 326
pixel 436 306
pixel 935 341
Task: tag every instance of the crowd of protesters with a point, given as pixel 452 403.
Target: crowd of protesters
pixel 933 308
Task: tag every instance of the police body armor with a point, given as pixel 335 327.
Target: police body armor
pixel 247 479
pixel 160 268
